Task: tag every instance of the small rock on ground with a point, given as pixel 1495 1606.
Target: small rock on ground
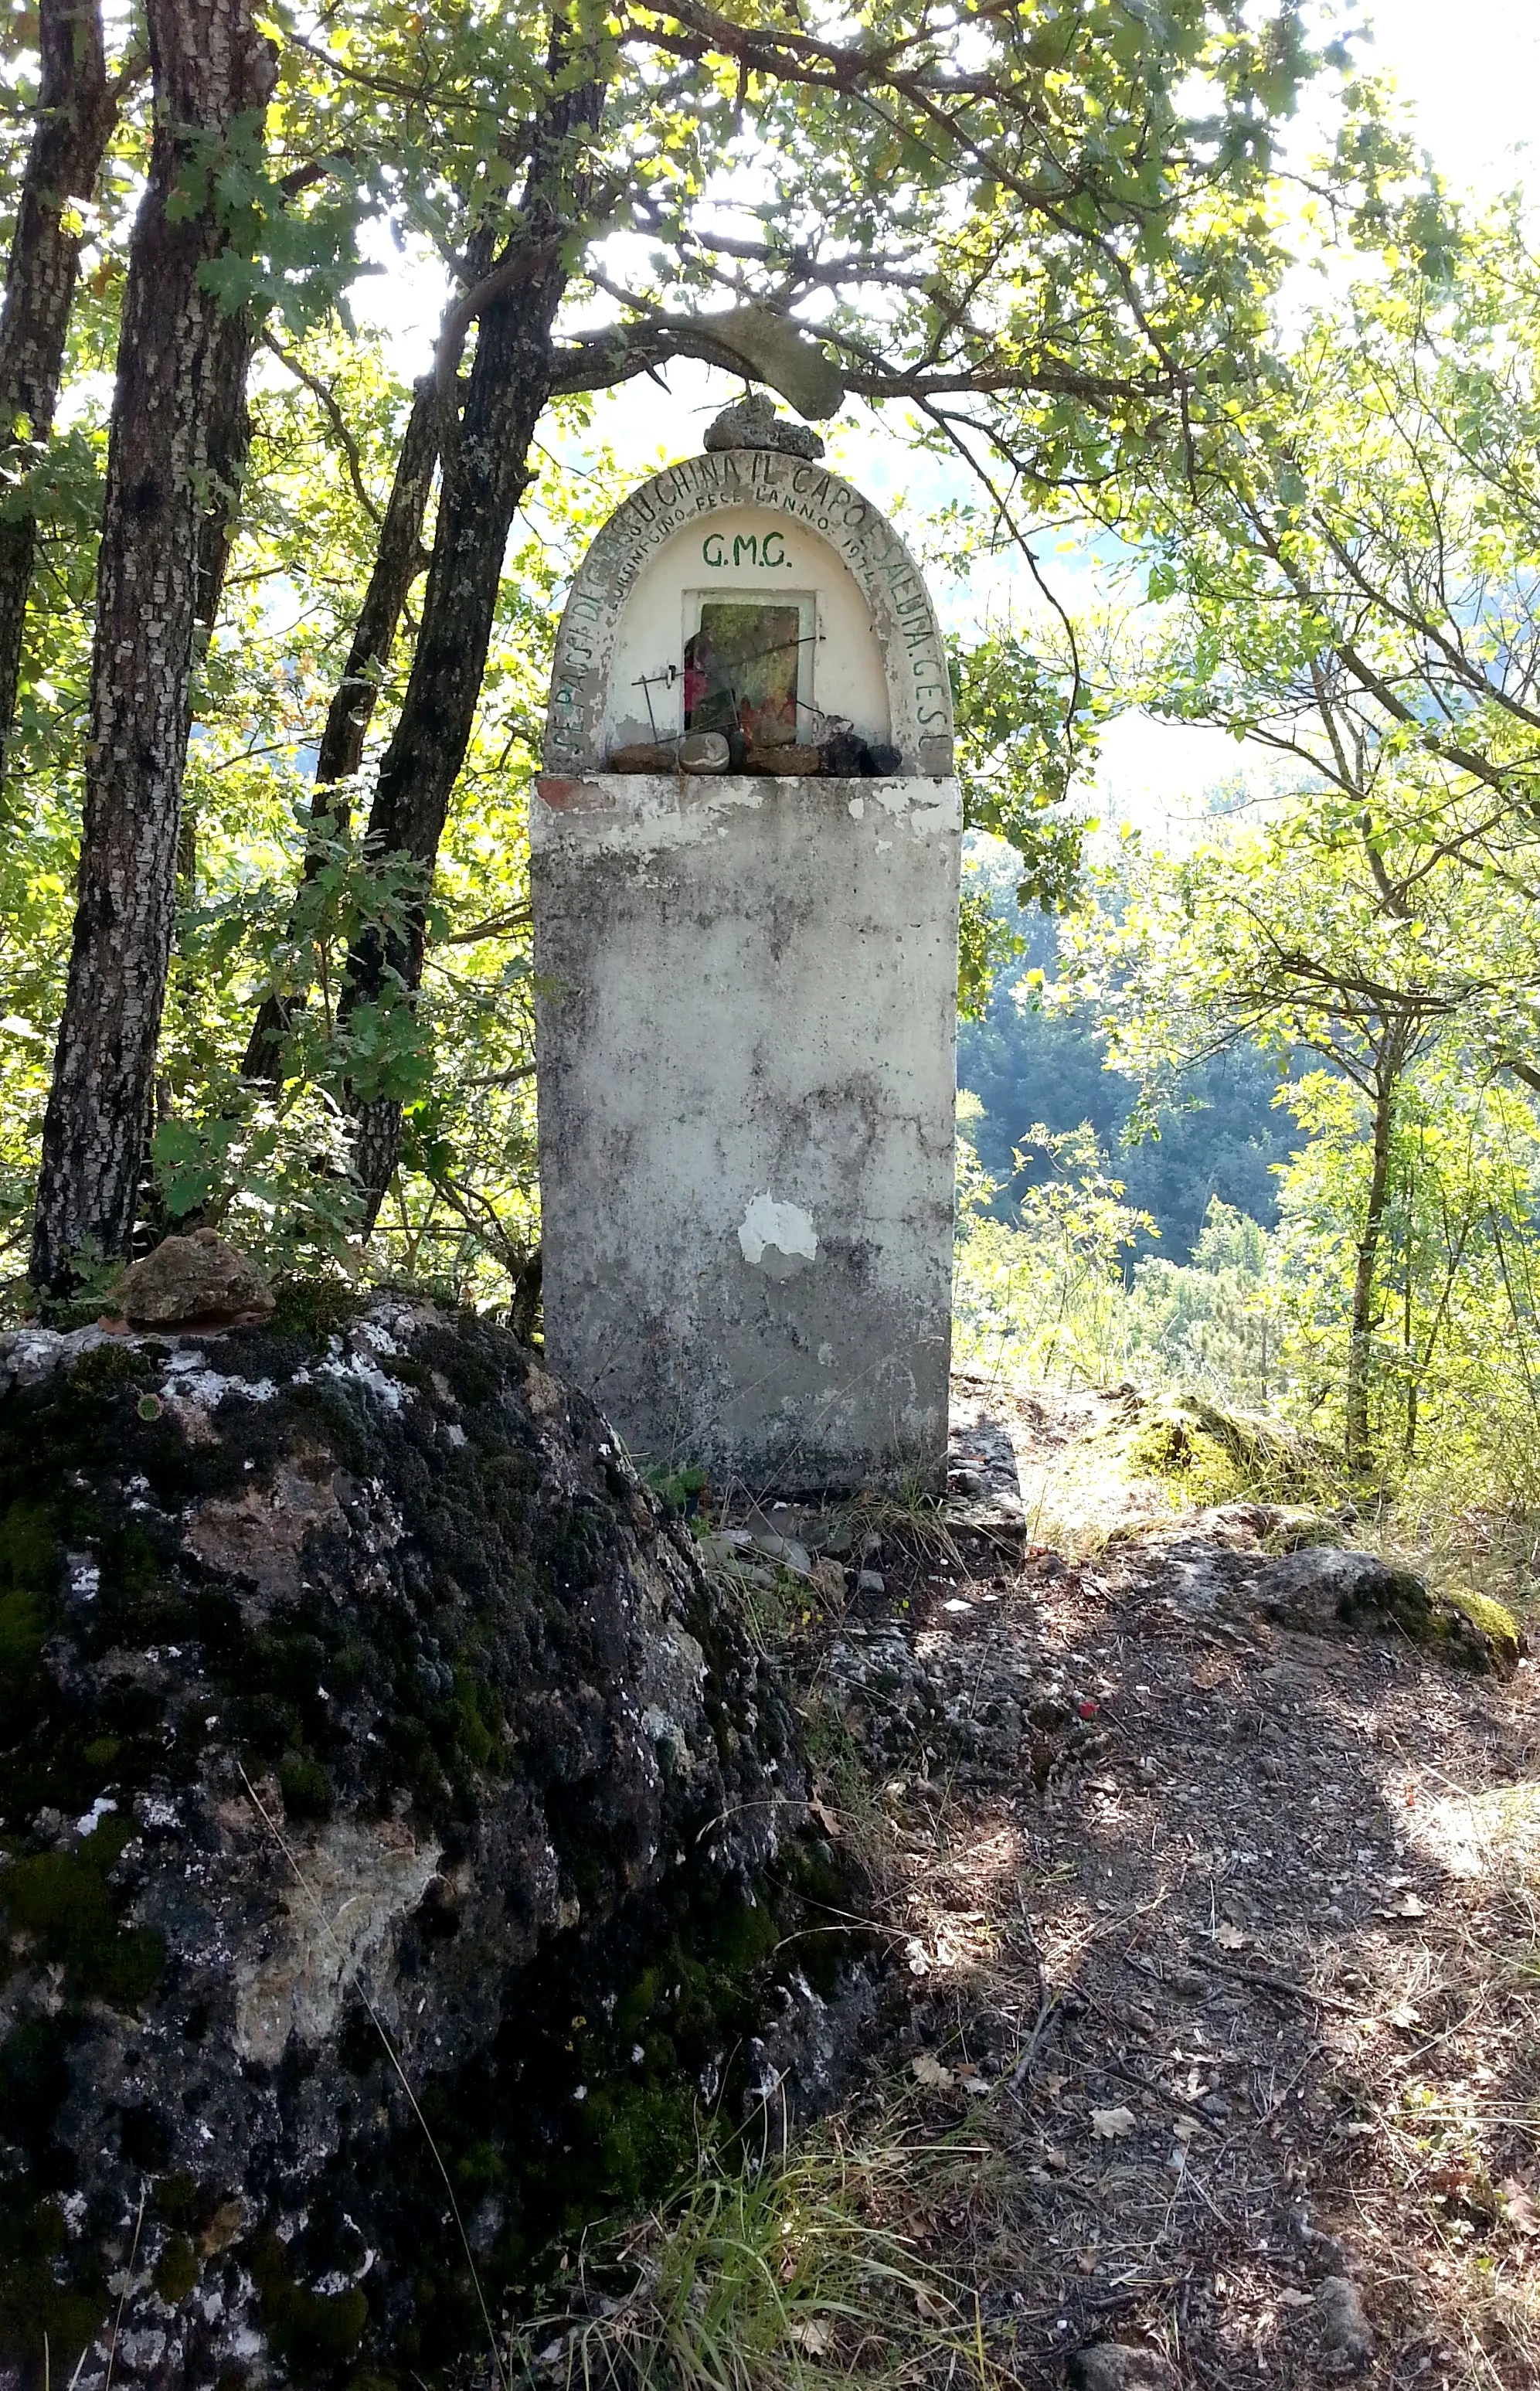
pixel 1119 2366
pixel 1346 2331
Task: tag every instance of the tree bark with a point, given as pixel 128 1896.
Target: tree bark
pixel 177 411
pixel 1361 1325
pixel 76 111
pixel 398 561
pixel 486 474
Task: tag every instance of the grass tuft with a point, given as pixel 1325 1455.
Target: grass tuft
pixel 780 2276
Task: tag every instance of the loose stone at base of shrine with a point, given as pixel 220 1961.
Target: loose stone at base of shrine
pixel 746 980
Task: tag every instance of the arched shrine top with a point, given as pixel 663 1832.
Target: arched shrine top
pixel 750 570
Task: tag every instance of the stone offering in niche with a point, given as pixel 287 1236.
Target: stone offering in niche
pixel 704 751
pixel 787 760
pixel 701 751
pixel 646 756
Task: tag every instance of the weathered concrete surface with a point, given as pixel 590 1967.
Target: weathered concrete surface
pixel 746 1021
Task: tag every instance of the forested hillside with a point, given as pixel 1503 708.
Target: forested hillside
pixel 1223 1135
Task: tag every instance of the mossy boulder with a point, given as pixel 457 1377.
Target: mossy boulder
pixel 1214 1456
pixel 1318 1589
pixel 364 1725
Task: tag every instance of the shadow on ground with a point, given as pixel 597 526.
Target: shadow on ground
pixel 1223 1943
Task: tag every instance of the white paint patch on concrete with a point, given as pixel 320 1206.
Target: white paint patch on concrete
pixel 945 814
pixel 784 1227
pixel 856 808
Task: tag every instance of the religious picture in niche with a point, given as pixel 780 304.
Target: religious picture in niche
pixel 741 671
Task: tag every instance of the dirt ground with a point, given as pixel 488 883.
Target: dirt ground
pixel 1224 1941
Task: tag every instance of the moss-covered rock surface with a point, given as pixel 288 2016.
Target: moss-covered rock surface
pixel 392 1830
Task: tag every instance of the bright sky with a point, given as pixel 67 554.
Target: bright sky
pixel 1470 72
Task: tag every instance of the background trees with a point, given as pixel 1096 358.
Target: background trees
pixel 75 111
pixel 1041 230
pixel 1355 588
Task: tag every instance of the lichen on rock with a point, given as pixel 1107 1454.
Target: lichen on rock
pixel 362 1725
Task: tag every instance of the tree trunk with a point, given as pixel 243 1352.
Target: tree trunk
pixel 1361 1328
pixel 76 109
pixel 397 561
pixel 176 412
pixel 484 479
pixel 1408 1300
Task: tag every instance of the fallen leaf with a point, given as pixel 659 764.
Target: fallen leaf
pixel 931 2307
pixel 1110 2125
pixel 1228 1937
pixel 1404 2017
pixel 1409 1906
pixel 813 2335
pixel 977 2085
pixel 1297 2299
pixel 826 1817
pixel 930 2072
pixel 1184 2129
pixel 1086 2261
pixel 1519 2208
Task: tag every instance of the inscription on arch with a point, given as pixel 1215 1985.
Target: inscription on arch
pixel 768 549
pixel 903 618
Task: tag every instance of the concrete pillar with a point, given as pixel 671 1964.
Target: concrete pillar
pixel 745 983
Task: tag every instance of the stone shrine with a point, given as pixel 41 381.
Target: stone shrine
pixel 744 852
